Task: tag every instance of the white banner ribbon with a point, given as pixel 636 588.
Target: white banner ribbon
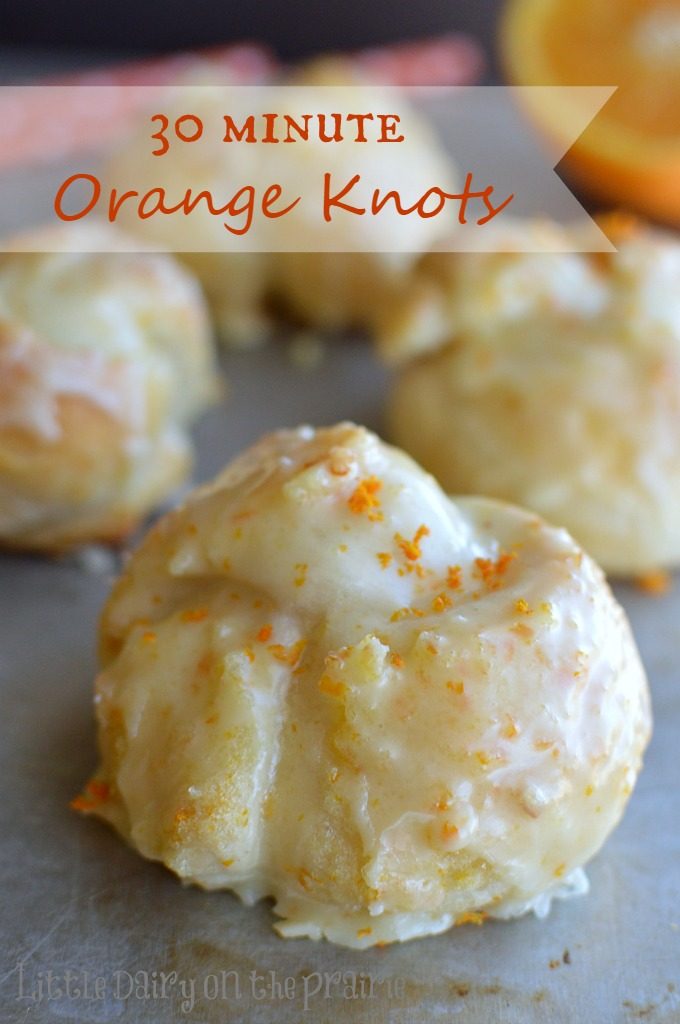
pixel 291 168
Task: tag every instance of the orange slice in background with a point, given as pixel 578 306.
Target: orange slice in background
pixel 630 154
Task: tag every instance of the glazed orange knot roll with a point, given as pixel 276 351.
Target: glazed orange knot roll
pixel 326 682
pixel 551 379
pixel 105 357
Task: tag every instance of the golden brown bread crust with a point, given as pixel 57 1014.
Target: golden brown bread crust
pixel 75 476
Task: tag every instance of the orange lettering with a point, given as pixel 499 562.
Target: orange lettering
pixel 330 201
pixel 388 127
pixel 233 132
pixel 235 211
pixel 273 193
pixel 302 131
pixel 360 120
pixel 337 130
pixel 160 135
pixel 58 199
pixel 179 127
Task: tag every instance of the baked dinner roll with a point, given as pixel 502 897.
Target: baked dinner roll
pixel 504 280
pixel 558 387
pixel 104 359
pixel 326 682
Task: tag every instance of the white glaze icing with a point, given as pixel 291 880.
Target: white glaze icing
pixel 325 681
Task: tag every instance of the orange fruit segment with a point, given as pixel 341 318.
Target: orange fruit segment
pixel 630 154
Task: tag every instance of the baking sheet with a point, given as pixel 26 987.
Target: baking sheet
pixel 75 898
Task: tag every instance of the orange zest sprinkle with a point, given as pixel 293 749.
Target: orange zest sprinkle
pixel 264 634
pixel 301 571
pixel 96 792
pixel 449 831
pixel 98 789
pixel 441 603
pixel 332 687
pixel 477 917
pixel 288 655
pixel 249 653
pixel 454 579
pixel 227 863
pixel 149 637
pixel 656 582
pixel 559 870
pixel 523 631
pixel 457 687
pixel 522 607
pixel 384 557
pixel 405 613
pixel 491 572
pixel 364 500
pixel 397 660
pixel 194 615
pixel 411 548
pixel 362 932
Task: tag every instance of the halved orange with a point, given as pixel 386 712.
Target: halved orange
pixel 630 154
